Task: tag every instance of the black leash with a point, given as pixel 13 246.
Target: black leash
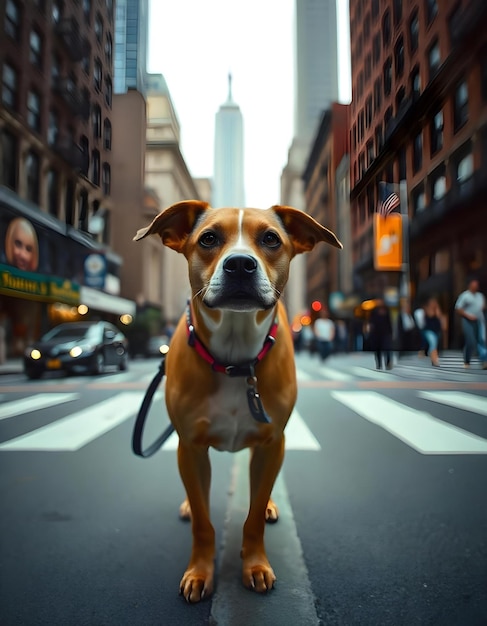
pixel 142 416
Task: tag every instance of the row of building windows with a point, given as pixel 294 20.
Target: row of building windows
pixel 13 13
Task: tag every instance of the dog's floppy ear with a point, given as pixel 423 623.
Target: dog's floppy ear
pixel 174 224
pixel 305 231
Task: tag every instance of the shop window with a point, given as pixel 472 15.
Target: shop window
pixel 460 106
pixel 436 132
pixel 9 86
pixel 32 170
pixel 8 156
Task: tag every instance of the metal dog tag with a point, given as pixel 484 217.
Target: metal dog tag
pixel 255 403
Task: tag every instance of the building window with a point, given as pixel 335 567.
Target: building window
pixel 414 33
pixel 415 83
pixel 376 49
pixel 53 128
pixel 387 74
pixel 107 135
pixel 387 116
pixel 397 11
pixel 418 198
pixel 438 183
pixel 368 112
pixel 87 10
pixel 418 152
pixel 96 121
pixel 35 49
pixel 400 97
pixel 8 162
pixel 108 49
pixel 85 64
pixel 434 59
pixel 386 29
pixel 436 132
pixel 99 27
pixel 431 10
pixel 106 179
pixel 95 167
pixel 464 168
pixel 53 192
pixel 370 152
pixel 85 152
pixel 32 170
pixel 375 8
pixel 57 12
pixel 108 91
pixel 9 86
pixel 97 74
pixel 34 110
pixel 402 166
pixel 83 211
pixel 399 57
pixel 379 139
pixel 367 27
pixel 12 20
pixel 55 69
pixel 377 95
pixel 460 109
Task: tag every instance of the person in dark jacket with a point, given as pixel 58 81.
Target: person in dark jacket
pixel 380 335
pixel 431 330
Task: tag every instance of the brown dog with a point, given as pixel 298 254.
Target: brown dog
pixel 231 381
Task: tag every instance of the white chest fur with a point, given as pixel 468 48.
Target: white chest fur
pixel 229 415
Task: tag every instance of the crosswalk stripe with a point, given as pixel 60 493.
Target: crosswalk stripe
pixel 418 429
pixel 298 436
pixel 334 374
pixel 77 430
pixel 458 399
pixel 33 403
pixel 365 372
pixel 302 375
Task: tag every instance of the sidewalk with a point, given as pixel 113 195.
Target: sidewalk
pixel 11 366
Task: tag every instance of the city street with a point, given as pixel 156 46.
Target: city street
pixel 382 499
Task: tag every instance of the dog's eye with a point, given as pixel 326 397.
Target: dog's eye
pixel 271 239
pixel 208 239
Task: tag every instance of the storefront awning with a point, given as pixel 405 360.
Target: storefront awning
pixel 41 287
pixel 101 301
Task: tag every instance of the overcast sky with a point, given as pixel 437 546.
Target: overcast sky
pixel 195 45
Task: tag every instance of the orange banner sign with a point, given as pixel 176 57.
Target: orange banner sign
pixel 388 242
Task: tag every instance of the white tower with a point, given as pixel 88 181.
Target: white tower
pixel 228 176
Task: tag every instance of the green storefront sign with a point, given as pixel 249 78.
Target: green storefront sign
pixel 19 284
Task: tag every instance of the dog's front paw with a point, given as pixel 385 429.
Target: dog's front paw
pixel 196 584
pixel 271 512
pixel 258 575
pixel 185 511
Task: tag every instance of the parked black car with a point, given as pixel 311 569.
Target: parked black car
pixel 77 347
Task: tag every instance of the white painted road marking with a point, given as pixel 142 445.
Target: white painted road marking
pixel 418 429
pixel 365 372
pixel 298 436
pixel 33 403
pixel 457 399
pixel 334 374
pixel 75 431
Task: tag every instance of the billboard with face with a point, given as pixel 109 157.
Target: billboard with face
pixel 21 245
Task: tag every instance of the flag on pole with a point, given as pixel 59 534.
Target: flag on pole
pixel 388 198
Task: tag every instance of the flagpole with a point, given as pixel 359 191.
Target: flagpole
pixel 404 291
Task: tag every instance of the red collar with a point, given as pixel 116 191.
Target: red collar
pixel 243 369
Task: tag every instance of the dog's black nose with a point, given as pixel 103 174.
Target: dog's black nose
pixel 242 264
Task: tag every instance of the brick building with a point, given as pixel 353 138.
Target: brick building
pixel 55 158
pixel 419 114
pixel 329 147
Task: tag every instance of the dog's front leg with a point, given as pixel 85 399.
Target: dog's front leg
pixel 265 464
pixel 195 470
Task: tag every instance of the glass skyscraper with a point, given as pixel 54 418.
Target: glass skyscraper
pixel 131 38
pixel 228 175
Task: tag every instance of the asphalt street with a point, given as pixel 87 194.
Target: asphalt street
pixel 382 500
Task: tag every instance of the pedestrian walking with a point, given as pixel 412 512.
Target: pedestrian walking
pixel 431 330
pixel 380 335
pixel 324 332
pixel 471 305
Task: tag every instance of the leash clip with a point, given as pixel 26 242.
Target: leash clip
pixel 255 403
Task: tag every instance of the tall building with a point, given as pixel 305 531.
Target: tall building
pixel 56 164
pixel 419 115
pixel 315 88
pixel 131 39
pixel 228 173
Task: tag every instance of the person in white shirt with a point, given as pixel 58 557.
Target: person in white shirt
pixel 470 305
pixel 324 331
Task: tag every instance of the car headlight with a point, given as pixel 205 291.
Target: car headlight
pixel 164 348
pixel 34 354
pixel 79 350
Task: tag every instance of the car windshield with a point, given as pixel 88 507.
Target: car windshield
pixel 71 333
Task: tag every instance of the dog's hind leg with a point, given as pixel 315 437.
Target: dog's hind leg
pixel 195 470
pixel 265 463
